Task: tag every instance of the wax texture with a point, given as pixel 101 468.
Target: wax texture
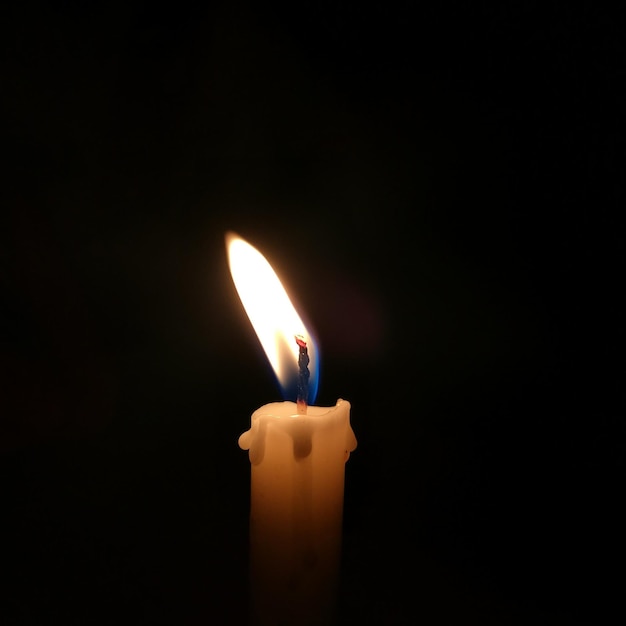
pixel 296 510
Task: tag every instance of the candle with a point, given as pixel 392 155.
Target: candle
pixel 297 454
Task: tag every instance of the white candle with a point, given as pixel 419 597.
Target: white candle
pixel 297 454
pixel 296 510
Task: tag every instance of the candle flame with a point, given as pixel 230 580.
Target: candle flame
pixel 272 314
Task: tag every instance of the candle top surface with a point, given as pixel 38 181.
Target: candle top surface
pixel 284 416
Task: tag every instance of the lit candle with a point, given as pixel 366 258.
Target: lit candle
pixel 297 454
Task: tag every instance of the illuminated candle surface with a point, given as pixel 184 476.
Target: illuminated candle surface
pixel 297 454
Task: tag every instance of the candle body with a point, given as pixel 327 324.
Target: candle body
pixel 296 510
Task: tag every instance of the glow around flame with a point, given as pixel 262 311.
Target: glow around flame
pixel 273 316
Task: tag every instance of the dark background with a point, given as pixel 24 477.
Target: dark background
pixel 439 187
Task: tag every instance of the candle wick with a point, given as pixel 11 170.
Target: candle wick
pixel 303 376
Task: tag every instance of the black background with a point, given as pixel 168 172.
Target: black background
pixel 439 187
